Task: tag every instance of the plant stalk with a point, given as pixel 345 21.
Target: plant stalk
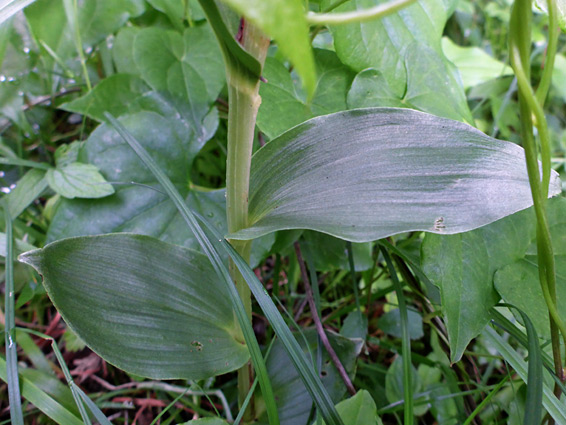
pixel 243 104
pixel 531 107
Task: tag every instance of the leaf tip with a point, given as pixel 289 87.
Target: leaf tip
pixel 31 258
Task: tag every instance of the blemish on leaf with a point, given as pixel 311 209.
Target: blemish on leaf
pixel 439 225
pixel 198 345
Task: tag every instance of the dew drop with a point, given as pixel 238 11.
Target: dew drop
pixel 5 190
pixel 10 342
pixel 12 186
pixel 26 50
pixel 2 78
pixel 2 174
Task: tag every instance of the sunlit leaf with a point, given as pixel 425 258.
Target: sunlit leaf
pixel 366 174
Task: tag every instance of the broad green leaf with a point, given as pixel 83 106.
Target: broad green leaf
pixel 428 79
pixel 114 94
pixel 462 267
pixel 367 174
pixel 390 323
pixel 475 65
pixel 282 107
pixel 51 407
pixel 384 45
pixel 78 180
pixel 285 21
pixel 293 400
pixel 139 209
pixel 122 50
pixel 28 189
pixel 457 265
pixel 359 410
pixel 188 66
pixel 148 307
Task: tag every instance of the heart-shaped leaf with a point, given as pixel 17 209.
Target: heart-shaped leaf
pixel 151 308
pixel 367 174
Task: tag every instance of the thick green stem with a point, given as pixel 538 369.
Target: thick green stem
pixel 532 112
pixel 244 101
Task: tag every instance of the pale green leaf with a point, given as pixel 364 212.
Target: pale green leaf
pixel 285 21
pixel 359 410
pixel 475 65
pixel 78 180
pixel 148 307
pixel 560 9
pixel 367 174
pixel 28 189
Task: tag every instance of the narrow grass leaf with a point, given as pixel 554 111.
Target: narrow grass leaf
pixel 311 380
pixel 533 408
pixel 552 405
pixel 405 341
pixel 43 401
pixel 366 174
pixel 9 331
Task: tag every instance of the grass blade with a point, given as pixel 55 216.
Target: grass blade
pixel 405 340
pixel 14 396
pixel 552 405
pixel 533 408
pixel 311 380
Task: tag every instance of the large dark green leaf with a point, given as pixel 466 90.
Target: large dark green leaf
pixel 463 266
pixel 293 400
pixel 405 48
pixel 282 107
pixel 150 308
pixel 366 174
pixel 428 79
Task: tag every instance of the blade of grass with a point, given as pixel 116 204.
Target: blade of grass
pixel 78 394
pixel 485 401
pixel 552 405
pixel 311 380
pixel 405 340
pixel 353 274
pixel 14 396
pixel 43 401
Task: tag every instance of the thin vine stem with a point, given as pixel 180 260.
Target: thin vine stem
pixel 531 107
pixel 365 15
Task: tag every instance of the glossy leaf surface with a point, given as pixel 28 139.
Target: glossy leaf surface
pixel 151 308
pixel 366 174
